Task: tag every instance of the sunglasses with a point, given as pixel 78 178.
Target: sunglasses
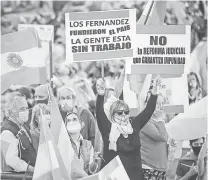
pixel 125 112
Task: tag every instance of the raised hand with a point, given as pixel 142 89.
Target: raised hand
pixel 101 86
pixel 156 85
pixel 119 86
pixel 193 170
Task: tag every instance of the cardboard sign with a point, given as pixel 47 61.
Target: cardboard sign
pixel 161 50
pixel 101 35
pixel 45 32
pixel 114 170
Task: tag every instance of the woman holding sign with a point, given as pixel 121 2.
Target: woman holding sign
pixel 123 134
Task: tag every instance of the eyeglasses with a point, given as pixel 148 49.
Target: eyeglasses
pixel 125 112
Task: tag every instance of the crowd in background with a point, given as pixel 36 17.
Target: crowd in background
pixel 82 77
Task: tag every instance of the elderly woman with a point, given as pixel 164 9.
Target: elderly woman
pixel 35 122
pixel 82 147
pixel 123 134
pixel 154 147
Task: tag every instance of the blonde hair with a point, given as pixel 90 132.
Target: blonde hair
pixel 36 114
pixel 117 106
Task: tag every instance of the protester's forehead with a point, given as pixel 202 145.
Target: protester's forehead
pixel 72 116
pixel 66 92
pixel 21 103
pixel 122 108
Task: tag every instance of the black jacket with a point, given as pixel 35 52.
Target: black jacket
pixel 128 149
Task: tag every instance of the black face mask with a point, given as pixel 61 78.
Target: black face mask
pixel 197 150
pixel 44 101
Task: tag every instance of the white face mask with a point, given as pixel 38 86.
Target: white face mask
pixel 74 127
pixel 23 116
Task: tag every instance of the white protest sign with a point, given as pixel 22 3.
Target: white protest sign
pixel 100 35
pixel 45 32
pixel 158 47
pixel 175 92
pixel 163 50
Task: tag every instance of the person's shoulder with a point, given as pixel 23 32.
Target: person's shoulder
pixel 7 136
pixel 83 111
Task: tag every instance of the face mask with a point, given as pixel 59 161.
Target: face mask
pixel 23 116
pixel 44 101
pixel 74 127
pixel 197 150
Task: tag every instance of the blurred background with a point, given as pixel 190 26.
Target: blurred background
pixel 52 13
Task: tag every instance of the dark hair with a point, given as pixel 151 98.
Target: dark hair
pixel 194 140
pixel 197 80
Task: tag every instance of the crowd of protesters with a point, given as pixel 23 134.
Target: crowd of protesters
pixel 141 142
pixel 87 101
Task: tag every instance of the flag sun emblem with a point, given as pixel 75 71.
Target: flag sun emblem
pixel 14 60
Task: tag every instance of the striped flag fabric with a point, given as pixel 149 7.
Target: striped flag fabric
pixel 153 14
pixel 22 59
pixel 49 164
pixel 190 125
pixel 62 140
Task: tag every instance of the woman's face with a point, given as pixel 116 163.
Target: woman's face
pixel 192 81
pixel 73 124
pixel 47 117
pixel 121 116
